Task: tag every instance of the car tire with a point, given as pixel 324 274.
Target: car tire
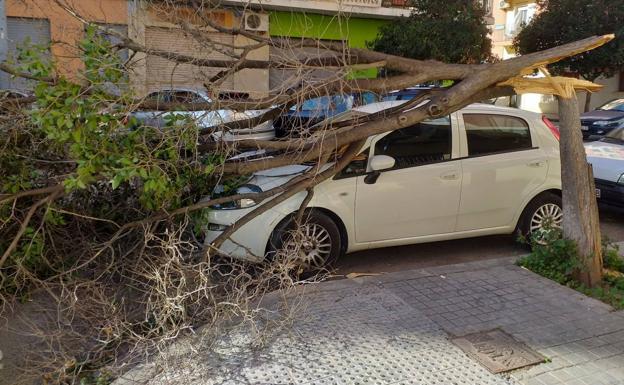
pixel 544 210
pixel 313 247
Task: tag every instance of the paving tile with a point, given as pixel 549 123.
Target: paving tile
pixel 394 329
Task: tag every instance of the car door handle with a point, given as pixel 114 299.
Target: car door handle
pixel 536 163
pixel 453 175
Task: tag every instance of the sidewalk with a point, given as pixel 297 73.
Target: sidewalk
pixel 396 329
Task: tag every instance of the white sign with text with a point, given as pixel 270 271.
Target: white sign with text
pixel 363 3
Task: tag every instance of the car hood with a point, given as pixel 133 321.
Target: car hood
pixel 607 160
pixel 268 179
pixel 602 115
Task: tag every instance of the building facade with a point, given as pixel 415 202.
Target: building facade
pixel 158 27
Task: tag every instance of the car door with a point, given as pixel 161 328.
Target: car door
pixel 503 165
pixel 419 196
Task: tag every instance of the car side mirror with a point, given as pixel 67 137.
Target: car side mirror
pixel 381 162
pixel 378 163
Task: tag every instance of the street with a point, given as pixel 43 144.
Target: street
pixel 424 255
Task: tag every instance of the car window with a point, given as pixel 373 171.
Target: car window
pixel 342 117
pixel 316 104
pixel 184 97
pixel 369 97
pixel 341 103
pixel 492 134
pixel 158 97
pixel 423 143
pixel 614 105
pixel 391 97
pixel 357 166
pixel 617 134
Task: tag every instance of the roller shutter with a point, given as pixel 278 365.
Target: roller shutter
pixel 163 73
pixel 20 30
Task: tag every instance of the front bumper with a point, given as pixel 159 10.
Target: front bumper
pixel 611 193
pixel 249 242
pixel 592 132
pixel 232 248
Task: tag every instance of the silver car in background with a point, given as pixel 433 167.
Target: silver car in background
pixel 203 118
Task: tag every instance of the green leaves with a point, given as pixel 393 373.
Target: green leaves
pixel 553 257
pixel 450 31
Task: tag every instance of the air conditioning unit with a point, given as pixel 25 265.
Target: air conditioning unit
pixel 504 5
pixel 258 22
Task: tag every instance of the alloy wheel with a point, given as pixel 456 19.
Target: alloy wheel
pixel 310 245
pixel 547 217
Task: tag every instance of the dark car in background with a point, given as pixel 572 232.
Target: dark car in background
pixel 300 118
pixel 598 123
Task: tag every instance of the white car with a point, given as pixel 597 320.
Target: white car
pixel 607 159
pixel 482 170
pixel 204 119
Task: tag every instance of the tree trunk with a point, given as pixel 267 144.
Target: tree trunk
pixel 588 97
pixel 580 209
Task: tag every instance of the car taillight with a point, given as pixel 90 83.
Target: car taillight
pixel 551 127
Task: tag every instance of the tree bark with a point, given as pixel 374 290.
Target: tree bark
pixel 580 209
pixel 588 97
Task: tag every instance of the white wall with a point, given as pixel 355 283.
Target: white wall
pixel 609 92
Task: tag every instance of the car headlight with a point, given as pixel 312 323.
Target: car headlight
pixel 609 123
pixel 241 203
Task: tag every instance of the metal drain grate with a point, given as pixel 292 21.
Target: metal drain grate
pixel 498 351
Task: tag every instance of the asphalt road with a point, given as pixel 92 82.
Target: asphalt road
pixel 449 252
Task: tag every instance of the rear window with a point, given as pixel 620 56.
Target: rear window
pixel 493 134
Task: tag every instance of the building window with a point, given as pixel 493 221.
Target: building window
pixel 487 6
pixel 22 32
pixel 114 40
pixel 518 18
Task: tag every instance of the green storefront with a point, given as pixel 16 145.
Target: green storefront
pixel 355 31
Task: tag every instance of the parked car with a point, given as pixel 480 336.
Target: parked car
pixel 598 123
pixel 205 118
pixel 305 115
pixel 607 159
pixel 480 171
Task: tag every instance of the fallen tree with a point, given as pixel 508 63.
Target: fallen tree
pixel 94 212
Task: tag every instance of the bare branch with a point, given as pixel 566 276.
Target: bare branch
pixel 48 199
